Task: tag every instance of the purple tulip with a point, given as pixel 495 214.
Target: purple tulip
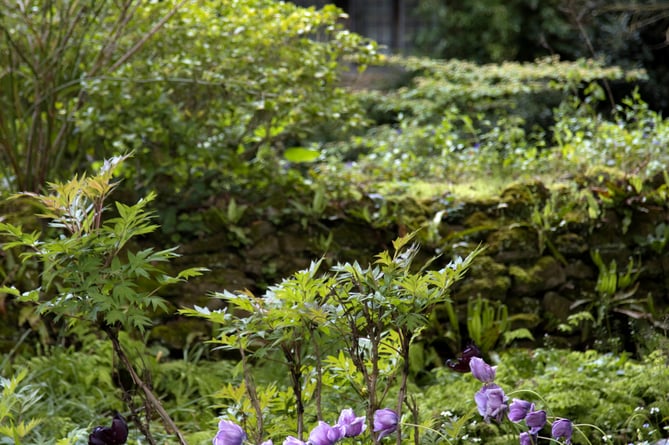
pixel 527 439
pixel 535 420
pixel 229 433
pixel 481 370
pixel 491 402
pixel 519 409
pixel 117 434
pixel 290 440
pixel 461 364
pixel 562 428
pixel 325 434
pixel 385 422
pixel 352 425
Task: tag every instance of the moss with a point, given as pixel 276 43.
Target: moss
pixel 512 243
pixel 546 273
pixel 570 244
pixel 479 219
pixel 520 198
pixel 600 174
pixel 487 279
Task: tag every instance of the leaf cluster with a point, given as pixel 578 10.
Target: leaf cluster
pixel 89 272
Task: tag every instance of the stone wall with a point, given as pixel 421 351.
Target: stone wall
pixel 538 258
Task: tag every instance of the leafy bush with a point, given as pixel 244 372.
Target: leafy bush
pixel 437 139
pixel 187 85
pixel 345 331
pixel 90 276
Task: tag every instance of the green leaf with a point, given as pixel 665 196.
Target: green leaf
pixel 10 290
pixel 300 154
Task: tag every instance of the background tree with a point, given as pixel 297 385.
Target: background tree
pixel 50 52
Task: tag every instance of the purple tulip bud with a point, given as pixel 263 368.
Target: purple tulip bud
pixel 290 440
pixel 229 433
pixel 461 364
pixel 527 439
pixel 117 434
pixel 352 425
pixel 491 402
pixel 325 434
pixel 385 422
pixel 481 370
pixel 562 428
pixel 519 409
pixel 535 420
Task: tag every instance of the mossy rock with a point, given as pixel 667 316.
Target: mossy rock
pixel 486 278
pixel 519 199
pixel 556 310
pixel 570 244
pixel 579 270
pixel 353 241
pixel 514 243
pixel 547 273
pixel 480 219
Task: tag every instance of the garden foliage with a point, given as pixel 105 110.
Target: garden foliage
pixel 348 329
pixel 197 82
pixel 235 111
pixel 90 274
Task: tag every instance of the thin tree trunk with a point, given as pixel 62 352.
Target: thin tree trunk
pixel 148 394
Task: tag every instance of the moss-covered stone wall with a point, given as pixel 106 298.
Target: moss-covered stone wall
pixel 539 240
pixel 539 252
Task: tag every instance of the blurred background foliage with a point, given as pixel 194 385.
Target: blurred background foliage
pixel 630 34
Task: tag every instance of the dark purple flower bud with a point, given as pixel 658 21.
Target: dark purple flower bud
pixel 229 433
pixel 352 425
pixel 481 370
pixel 461 364
pixel 117 434
pixel 491 402
pixel 527 439
pixel 535 420
pixel 562 428
pixel 290 440
pixel 325 434
pixel 519 409
pixel 385 422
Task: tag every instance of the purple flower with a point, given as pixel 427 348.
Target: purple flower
pixel 535 420
pixel 267 442
pixel 325 434
pixel 519 409
pixel 526 439
pixel 229 433
pixel 562 428
pixel 352 426
pixel 290 440
pixel 385 422
pixel 481 370
pixel 491 402
pixel 117 434
pixel 461 364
